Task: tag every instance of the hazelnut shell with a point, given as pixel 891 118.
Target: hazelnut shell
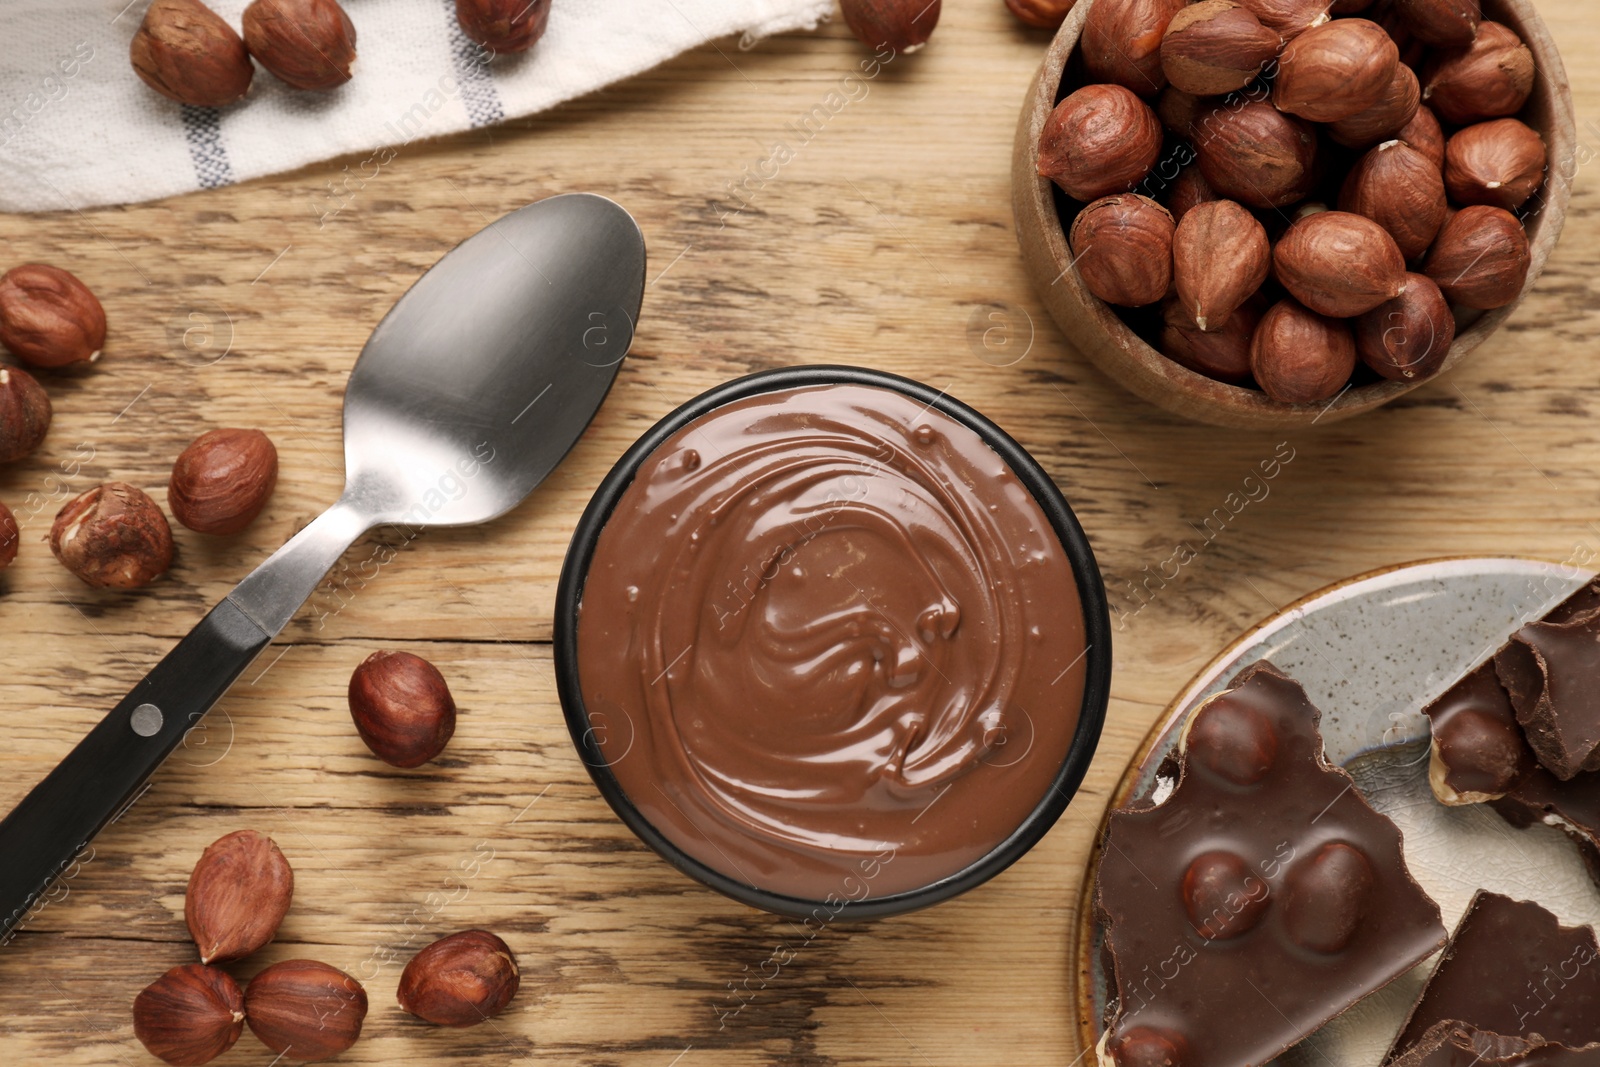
pixel 190 1015
pixel 1300 357
pixel 1339 264
pixel 1336 70
pixel 517 25
pixel 221 482
pixel 460 980
pixel 1500 163
pixel 49 318
pixel 1488 79
pixel 113 536
pixel 1401 190
pixel 899 25
pixel 402 708
pixel 305 1009
pixel 1481 258
pixel 1121 43
pixel 1122 249
pixel 24 413
pixel 186 52
pixel 306 44
pixel 238 893
pixel 1255 154
pixel 1214 47
pixel 1408 338
pixel 1102 139
pixel 1221 256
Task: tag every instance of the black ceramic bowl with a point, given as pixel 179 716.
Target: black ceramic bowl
pixel 1097 637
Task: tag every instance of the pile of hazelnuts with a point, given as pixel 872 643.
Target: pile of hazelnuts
pixel 1301 186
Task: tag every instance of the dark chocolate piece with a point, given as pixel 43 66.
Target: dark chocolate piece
pixel 1551 670
pixel 1257 901
pixel 1481 756
pixel 1455 1044
pixel 1512 969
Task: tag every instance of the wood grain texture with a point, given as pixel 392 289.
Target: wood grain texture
pixel 886 240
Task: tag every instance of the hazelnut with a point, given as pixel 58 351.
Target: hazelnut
pixel 1231 739
pixel 305 1009
pixel 184 51
pixel 1490 78
pixel 1255 154
pixel 113 536
pixel 1401 190
pixel 190 1015
pixel 306 44
pixel 222 480
pixel 402 708
pixel 1122 248
pixel 1386 118
pixel 1100 140
pixel 1222 896
pixel 1350 7
pixel 1481 258
pixel 1408 338
pixel 1445 23
pixel 1425 134
pixel 460 980
pixel 238 893
pixel 1499 163
pixel 1177 110
pixel 510 25
pixel 24 413
pixel 10 535
pixel 49 318
pixel 1189 190
pixel 1223 354
pixel 1220 256
pixel 899 25
pixel 1326 897
pixel 1477 756
pixel 1121 43
pixel 1145 1046
pixel 1300 357
pixel 1043 14
pixel 1289 18
pixel 1336 70
pixel 1215 47
pixel 1340 264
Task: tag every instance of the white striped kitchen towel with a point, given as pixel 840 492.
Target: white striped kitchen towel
pixel 78 127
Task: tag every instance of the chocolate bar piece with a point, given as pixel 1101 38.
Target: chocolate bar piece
pixel 1480 755
pixel 1256 900
pixel 1455 1044
pixel 1552 670
pixel 1512 969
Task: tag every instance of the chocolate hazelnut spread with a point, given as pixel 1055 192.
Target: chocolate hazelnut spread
pixel 830 645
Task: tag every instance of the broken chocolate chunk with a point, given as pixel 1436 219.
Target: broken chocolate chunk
pixel 1512 969
pixel 1550 669
pixel 1455 1044
pixel 1257 900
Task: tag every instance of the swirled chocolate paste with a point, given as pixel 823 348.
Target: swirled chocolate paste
pixel 830 645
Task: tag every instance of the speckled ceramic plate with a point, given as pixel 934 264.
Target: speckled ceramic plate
pixel 1372 652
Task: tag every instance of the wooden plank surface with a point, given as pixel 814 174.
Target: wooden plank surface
pixel 886 240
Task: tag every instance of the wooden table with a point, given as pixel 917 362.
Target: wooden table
pixel 886 240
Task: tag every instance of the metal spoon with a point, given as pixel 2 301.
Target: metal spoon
pixel 469 392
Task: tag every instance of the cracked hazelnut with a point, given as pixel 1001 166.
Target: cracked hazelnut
pixel 508 25
pixel 190 1015
pixel 306 44
pixel 10 535
pixel 1425 134
pixel 305 1010
pixel 1445 23
pixel 222 480
pixel 1300 357
pixel 1401 190
pixel 1122 248
pixel 1223 354
pixel 24 413
pixel 1499 163
pixel 900 25
pixel 1340 264
pixel 460 980
pixel 113 536
pixel 49 318
pixel 238 893
pixel 1220 257
pixel 186 52
pixel 1383 120
pixel 1481 259
pixel 1189 190
pixel 1121 43
pixel 1289 18
pixel 1336 70
pixel 1100 140
pixel 1255 154
pixel 1488 79
pixel 1214 47
pixel 1408 338
pixel 402 708
pixel 1042 14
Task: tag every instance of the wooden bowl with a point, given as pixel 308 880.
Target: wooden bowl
pixel 1101 334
